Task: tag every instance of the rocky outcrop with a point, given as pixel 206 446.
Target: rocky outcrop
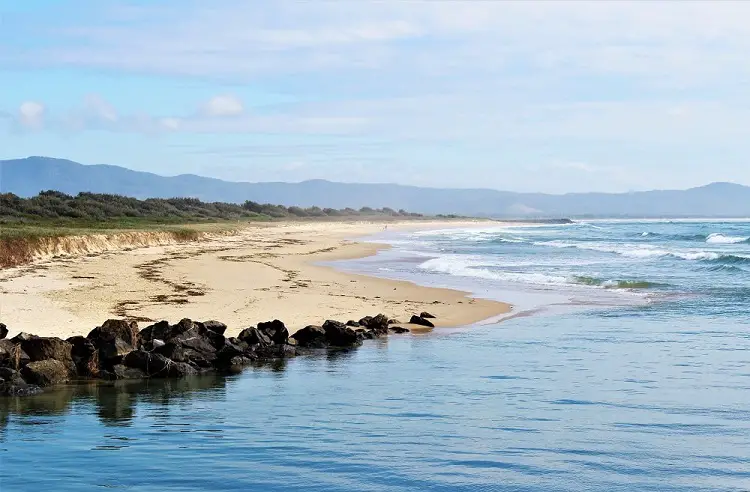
pixel 419 320
pixel 311 337
pixel 85 356
pixel 399 329
pixel 46 372
pixel 12 384
pixel 117 350
pixel 114 340
pixel 3 331
pixel 340 335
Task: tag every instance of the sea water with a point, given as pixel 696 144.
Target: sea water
pixel 631 372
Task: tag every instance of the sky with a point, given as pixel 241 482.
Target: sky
pixel 548 96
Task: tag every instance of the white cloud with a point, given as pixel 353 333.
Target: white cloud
pixel 98 108
pixel 31 115
pixel 223 105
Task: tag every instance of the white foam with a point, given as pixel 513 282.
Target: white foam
pixel 634 250
pixel 718 238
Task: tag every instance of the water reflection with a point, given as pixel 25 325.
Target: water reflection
pixel 115 402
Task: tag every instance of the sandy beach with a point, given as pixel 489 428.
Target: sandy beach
pixel 263 272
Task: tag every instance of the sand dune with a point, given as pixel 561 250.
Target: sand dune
pixel 262 272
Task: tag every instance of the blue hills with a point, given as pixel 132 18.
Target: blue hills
pixel 27 177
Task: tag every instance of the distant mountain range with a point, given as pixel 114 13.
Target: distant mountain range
pixel 27 177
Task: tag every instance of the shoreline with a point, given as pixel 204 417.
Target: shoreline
pixel 263 272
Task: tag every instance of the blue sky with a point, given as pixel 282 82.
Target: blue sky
pixel 524 96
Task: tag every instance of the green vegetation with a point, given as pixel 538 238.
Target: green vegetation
pixel 65 214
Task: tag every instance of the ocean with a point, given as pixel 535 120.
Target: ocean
pixel 624 366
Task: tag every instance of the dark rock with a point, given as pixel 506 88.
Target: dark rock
pixel 198 344
pixel 215 326
pixel 253 336
pixel 394 322
pixel 235 364
pixel 3 331
pixel 418 320
pixel 340 335
pixel 151 345
pixel 378 325
pixel 152 364
pixel 364 334
pixel 46 372
pixel 353 324
pixel 7 374
pixel 275 330
pixel 311 337
pixel 228 352
pixel 181 370
pixel 216 340
pixel 182 326
pixel 12 355
pixel 12 384
pixel 22 337
pixel 121 371
pixel 127 331
pixel 365 321
pixel 85 356
pixel 426 315
pixel 48 348
pixel 399 329
pixel 280 351
pixel 112 350
pixel 160 331
pixel 114 339
pixel 172 351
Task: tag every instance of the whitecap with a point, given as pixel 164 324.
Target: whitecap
pixel 718 238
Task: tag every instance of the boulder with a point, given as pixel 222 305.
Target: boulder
pixel 426 315
pixel 353 324
pixel 340 335
pixel 418 320
pixel 228 352
pixel 215 326
pixel 85 356
pixel 311 337
pixel 152 364
pixel 275 330
pixel 127 331
pixel 22 337
pixel 121 371
pixel 44 348
pixel 253 336
pixel 364 334
pixel 172 351
pixel 12 384
pixel 151 345
pixel 45 372
pixel 180 370
pixel 160 331
pixel 399 329
pixel 217 340
pixel 279 351
pixel 3 331
pixel 365 321
pixel 185 324
pixel 378 325
pixel 114 339
pixel 394 322
pixel 12 355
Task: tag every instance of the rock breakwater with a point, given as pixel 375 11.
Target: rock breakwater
pixel 119 350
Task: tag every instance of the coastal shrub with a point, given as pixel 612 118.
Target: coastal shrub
pixel 89 207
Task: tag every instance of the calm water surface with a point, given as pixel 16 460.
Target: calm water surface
pixel 650 390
